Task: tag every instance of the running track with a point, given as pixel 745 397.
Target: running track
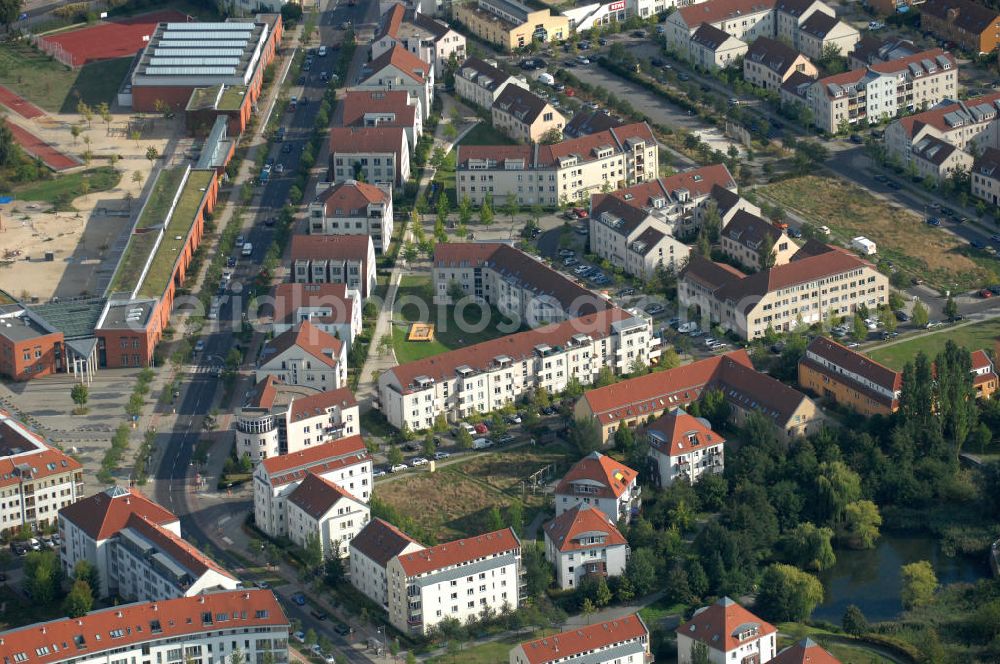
pixel 19 104
pixel 36 147
pixel 112 39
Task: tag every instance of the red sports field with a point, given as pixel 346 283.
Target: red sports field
pixel 19 104
pixel 35 146
pixel 111 39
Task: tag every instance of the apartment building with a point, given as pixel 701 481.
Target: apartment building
pixel 204 628
pixel 870 50
pixel 634 240
pixel 745 20
pixel 88 527
pixel 351 208
pixel 769 63
pixel 822 31
pixel 601 482
pixel 684 447
pixel 747 239
pixel 460 580
pixel 304 355
pixel 332 308
pixel 381 108
pixel 817 282
pixel 428 38
pixel 711 48
pixel 345 462
pixel 839 374
pixel 583 542
pixel 985 381
pixel 562 172
pixel 36 480
pixel 730 632
pixel 620 641
pixel 805 651
pixel 524 116
pixel 379 155
pixel 520 286
pixel 279 419
pixel 880 91
pixel 985 180
pixel 633 402
pixel 587 122
pixel 370 552
pixel 320 511
pixel 398 69
pixel 486 376
pixel 973 26
pixel 347 260
pixel 939 160
pixel 790 15
pixel 480 82
pixel 727 203
pixel 970 125
pixel 510 24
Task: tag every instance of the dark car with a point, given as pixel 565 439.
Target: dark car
pixel 683 77
pixel 934 221
pixel 639 33
pixel 892 184
pixel 794 233
pixel 995 290
pixel 540 64
pixel 857 139
pixel 976 244
pixel 342 629
pixel 602 41
pixel 318 614
pixel 902 316
pixel 657 62
pixel 299 599
pixel 881 178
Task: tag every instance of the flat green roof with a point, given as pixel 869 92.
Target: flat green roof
pixel 203 99
pixel 162 267
pixel 158 204
pixel 232 98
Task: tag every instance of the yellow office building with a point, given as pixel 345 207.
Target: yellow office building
pixel 509 24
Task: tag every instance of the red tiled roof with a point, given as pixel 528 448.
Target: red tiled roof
pixel 612 477
pixel 392 20
pixel 367 140
pixel 715 11
pixel 935 116
pixel 183 553
pixel 574 642
pixel 347 199
pixel 404 61
pixel 855 363
pixel 263 393
pixel 309 338
pixel 676 429
pixel 516 346
pixel 584 146
pixel 805 651
pixel 697 182
pixel 980 360
pixel 25 455
pixel 102 515
pixel 462 254
pixel 317 458
pixel 316 496
pixel 321 401
pixel 289 297
pixel 459 551
pixel 566 530
pixel 380 541
pixel 173 619
pixel 716 625
pixel 356 103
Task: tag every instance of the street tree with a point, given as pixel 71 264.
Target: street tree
pixel 152 154
pixel 80 394
pixel 511 207
pixel 394 456
pixel 859 329
pixel 950 308
pixel 919 315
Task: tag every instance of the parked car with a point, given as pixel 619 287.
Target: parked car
pixel 481 443
pixel 299 636
pixel 481 429
pixel 379 472
pixel 318 614
pixel 625 292
pixel 986 292
pixel 565 253
pixel 581 270
pixel 299 599
pixel 934 221
pixel 397 468
pixel 513 419
pixel 549 410
pixel 654 309
pixel 419 461
pixel 342 629
pixel 857 139
pixel 441 455
pixel 580 213
pixel 995 290
pixel 902 316
pixel 506 438
pixel 569 261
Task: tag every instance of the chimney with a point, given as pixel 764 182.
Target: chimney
pixel 44 630
pixel 155 607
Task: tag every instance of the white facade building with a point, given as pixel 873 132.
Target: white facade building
pixel 599 481
pixel 681 446
pixel 487 376
pixel 36 480
pixel 351 208
pixel 207 628
pixel 430 39
pixel 458 580
pixel 633 239
pixel 582 542
pixel 731 634
pixel 398 69
pixel 305 355
pixel 480 82
pixel 333 308
pixel 345 462
pixel 621 641
pixel 281 419
pixel 320 509
pixel 370 552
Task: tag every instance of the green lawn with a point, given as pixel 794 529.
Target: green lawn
pixel 484 134
pixel 974 337
pixel 56 190
pixel 487 653
pixel 847 654
pixel 54 87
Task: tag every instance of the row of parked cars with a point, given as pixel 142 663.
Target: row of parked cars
pixel 35 544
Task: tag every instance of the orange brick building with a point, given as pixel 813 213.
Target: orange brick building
pixel 974 27
pixel 29 348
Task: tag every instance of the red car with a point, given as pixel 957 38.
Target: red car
pixel 580 213
pixel 986 292
pixel 481 429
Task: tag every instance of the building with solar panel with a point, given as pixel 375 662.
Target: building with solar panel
pixel 183 57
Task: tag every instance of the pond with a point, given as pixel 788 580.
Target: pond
pixel 871 579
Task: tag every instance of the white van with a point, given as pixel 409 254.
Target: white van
pixel 547 79
pixel 247 249
pixel 481 443
pixel 322 52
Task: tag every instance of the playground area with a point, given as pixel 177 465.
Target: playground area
pixel 421 332
pixel 107 40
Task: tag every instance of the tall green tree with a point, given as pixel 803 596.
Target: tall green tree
pixel 809 547
pixel 836 487
pixel 919 584
pixel 950 308
pixel 854 621
pixel 861 524
pixel 80 599
pixel 956 395
pixel 788 593
pixel 919 315
pixel 84 570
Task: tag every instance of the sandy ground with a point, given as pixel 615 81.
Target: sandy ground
pixel 86 243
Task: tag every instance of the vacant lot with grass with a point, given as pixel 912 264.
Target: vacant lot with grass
pixel 64 188
pixel 903 237
pixel 53 86
pixel 973 336
pixel 484 134
pixel 507 469
pixel 452 329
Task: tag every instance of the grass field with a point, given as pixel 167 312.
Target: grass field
pixel 847 654
pixel 52 191
pixel 488 653
pixel 974 337
pixel 941 259
pixel 484 134
pixel 54 87
pixel 414 302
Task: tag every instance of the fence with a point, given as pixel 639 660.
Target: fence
pixel 55 50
